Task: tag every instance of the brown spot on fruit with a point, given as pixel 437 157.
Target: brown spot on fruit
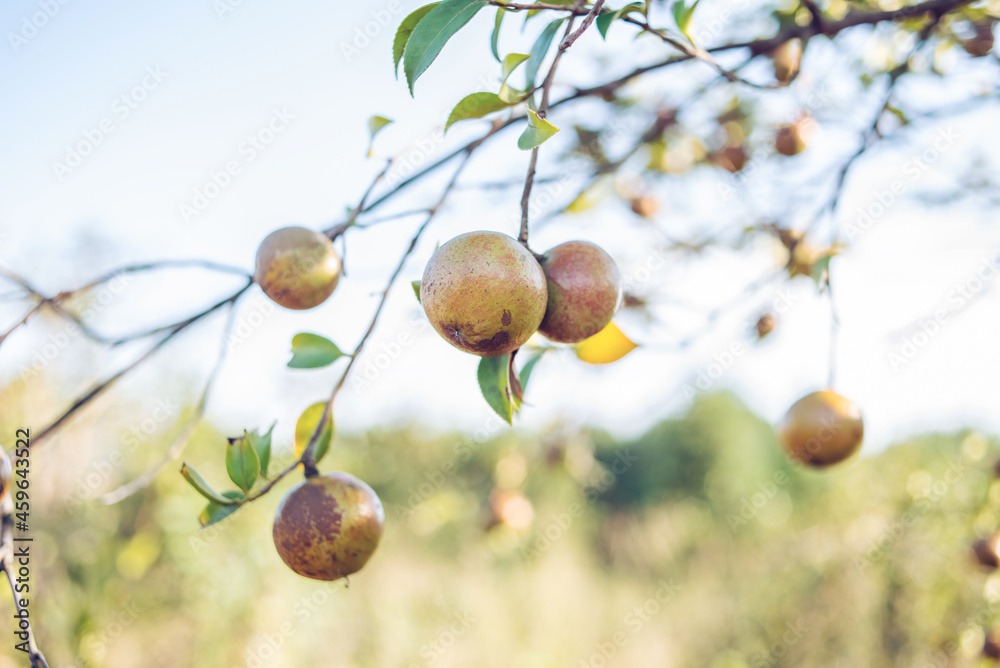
pixel 484 293
pixel 328 526
pixel 297 267
pixel 821 429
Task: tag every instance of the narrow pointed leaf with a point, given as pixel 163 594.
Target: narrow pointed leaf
pixel 494 384
pixel 416 289
pixel 242 463
pixel 312 351
pixel 202 487
pixel 528 367
pixel 214 512
pixel 510 63
pixel 433 32
pixel 538 51
pixel 405 30
pixel 605 20
pixel 494 40
pixel 262 444
pixel 476 105
pixel 306 425
pixel 538 131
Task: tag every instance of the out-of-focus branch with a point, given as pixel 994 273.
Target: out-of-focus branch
pixel 100 387
pixel 7 566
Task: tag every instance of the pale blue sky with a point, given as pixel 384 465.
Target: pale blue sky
pixel 197 85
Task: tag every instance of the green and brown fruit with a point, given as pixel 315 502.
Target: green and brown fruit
pixel 484 293
pixel 297 267
pixel 821 429
pixel 786 59
pixel 793 138
pixel 6 474
pixel 987 551
pixel 584 291
pixel 328 526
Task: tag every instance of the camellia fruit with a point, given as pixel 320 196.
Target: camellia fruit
pixel 794 138
pixel 6 474
pixel 328 526
pixel 821 429
pixel 987 551
pixel 584 291
pixel 484 293
pixel 787 59
pixel 297 267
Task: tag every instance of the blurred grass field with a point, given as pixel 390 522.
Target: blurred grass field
pixel 695 545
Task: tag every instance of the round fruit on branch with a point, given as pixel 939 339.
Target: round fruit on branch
pixel 484 293
pixel 584 291
pixel 297 267
pixel 821 429
pixel 328 526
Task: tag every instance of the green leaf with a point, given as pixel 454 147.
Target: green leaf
pixel 242 462
pixel 262 445
pixel 433 32
pixel 819 268
pixel 405 30
pixel 375 125
pixel 306 425
pixel 494 384
pixel 202 487
pixel 476 105
pixel 538 51
pixel 510 63
pixel 683 15
pixel 528 367
pixel 416 289
pixel 605 20
pixel 214 512
pixel 537 132
pixel 494 41
pixel 312 351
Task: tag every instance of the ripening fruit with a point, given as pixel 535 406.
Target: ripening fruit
pixel 644 206
pixel 328 526
pixel 732 158
pixel 982 43
pixel 787 59
pixel 991 644
pixel 792 139
pixel 297 267
pixel 484 293
pixel 821 429
pixel 607 346
pixel 6 474
pixel 584 291
pixel 765 325
pixel 987 551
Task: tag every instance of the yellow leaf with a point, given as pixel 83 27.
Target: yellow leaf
pixel 607 346
pixel 305 426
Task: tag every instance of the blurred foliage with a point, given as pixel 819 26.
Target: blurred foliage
pixel 696 544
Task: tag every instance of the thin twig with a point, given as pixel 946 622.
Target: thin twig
pixel 184 436
pixel 100 387
pixel 7 565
